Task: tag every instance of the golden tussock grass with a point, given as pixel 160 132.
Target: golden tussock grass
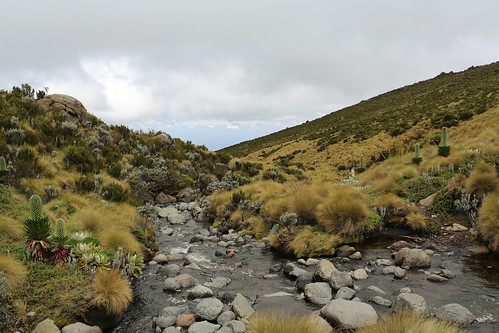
pixel 89 220
pixel 273 209
pixel 12 270
pixel 304 203
pixel 391 202
pixel 264 190
pixel 309 243
pixel 10 228
pixel 410 322
pixel 416 220
pixel 343 212
pixel 219 203
pixel 276 322
pixel 258 226
pixel 482 180
pixel 488 221
pixel 113 238
pixel 237 217
pixel 111 291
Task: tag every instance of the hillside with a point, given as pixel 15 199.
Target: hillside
pixel 407 114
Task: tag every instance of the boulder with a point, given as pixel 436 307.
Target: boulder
pixel 80 328
pixel 185 319
pixel 303 280
pixel 360 274
pixel 186 194
pixel 340 279
pixel 427 202
pixel 209 308
pixel 455 313
pixel 412 258
pixel 225 317
pixel 164 322
pixel 46 326
pixel 345 251
pixel 164 199
pixel 397 246
pixel 242 307
pixel 203 327
pixel 236 326
pixel 349 314
pixel 345 293
pixel 399 272
pixel 323 271
pixel 318 293
pixel 70 105
pixel 199 291
pixel 411 301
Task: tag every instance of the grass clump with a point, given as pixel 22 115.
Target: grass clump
pixel 488 221
pixel 275 322
pixel 12 270
pixel 410 322
pixel 113 239
pixel 309 242
pixel 111 291
pixel 304 203
pixel 344 212
pixel 482 180
pixel 416 221
pixel 10 228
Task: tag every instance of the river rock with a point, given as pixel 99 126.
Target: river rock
pixel 349 314
pixel 46 326
pixel 356 256
pixel 318 293
pixel 477 250
pixel 225 317
pixel 236 326
pixel 177 219
pixel 340 279
pixel 376 290
pixel 455 313
pixel 436 278
pixel 164 322
pixel 185 319
pixel 303 280
pixel 289 267
pixel 164 199
pixel 360 274
pixel 345 293
pixel 165 212
pixel 320 324
pixel 387 270
pixel 323 271
pixel 381 301
pixel 80 328
pixel 161 259
pixel 218 282
pixel 311 262
pixel 209 308
pixel 399 272
pixel 186 194
pixel 412 258
pixel 458 227
pixel 397 246
pixel 199 291
pixel 170 330
pixel 447 274
pixel 345 251
pixel 242 307
pixel 203 327
pixel 411 301
pixel 384 262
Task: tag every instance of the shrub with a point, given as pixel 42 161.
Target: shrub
pixel 113 239
pixel 410 322
pixel 482 180
pixel 114 192
pixel 416 221
pixel 421 187
pixel 13 271
pixel 80 158
pixel 111 291
pixel 276 322
pixel 85 184
pixel 343 212
pixel 488 221
pixel 442 203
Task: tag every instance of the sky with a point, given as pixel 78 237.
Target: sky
pixel 219 72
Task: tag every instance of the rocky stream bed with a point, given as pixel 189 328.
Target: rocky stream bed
pixel 201 281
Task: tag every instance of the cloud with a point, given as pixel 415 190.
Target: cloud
pixel 233 126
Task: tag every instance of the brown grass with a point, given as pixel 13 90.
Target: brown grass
pixel 344 212
pixel 482 180
pixel 309 243
pixel 220 203
pixel 488 221
pixel 111 291
pixel 416 221
pixel 274 208
pixel 113 239
pixel 304 203
pixel 12 270
pixel 10 228
pixel 410 322
pixel 275 322
pixel 391 202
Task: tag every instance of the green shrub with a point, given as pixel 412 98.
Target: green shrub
pixel 85 184
pixel 114 192
pixel 442 203
pixel 80 158
pixel 418 188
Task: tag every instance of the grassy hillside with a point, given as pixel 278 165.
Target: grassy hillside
pixel 408 114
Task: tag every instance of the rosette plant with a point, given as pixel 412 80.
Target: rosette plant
pixel 37 231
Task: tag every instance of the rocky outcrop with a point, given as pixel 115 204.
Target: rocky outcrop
pixel 70 105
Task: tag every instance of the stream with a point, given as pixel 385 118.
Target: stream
pixel 256 272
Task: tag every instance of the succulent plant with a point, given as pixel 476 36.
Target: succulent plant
pixel 37 230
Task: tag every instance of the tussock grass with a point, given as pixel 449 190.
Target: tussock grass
pixel 274 208
pixel 343 212
pixel 304 203
pixel 219 203
pixel 10 228
pixel 410 322
pixel 488 221
pixel 89 220
pixel 111 291
pixel 258 226
pixel 113 239
pixel 275 322
pixel 416 221
pixel 12 270
pixel 311 243
pixel 393 203
pixel 482 180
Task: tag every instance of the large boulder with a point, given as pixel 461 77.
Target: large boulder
pixel 349 314
pixel 209 308
pixel 203 327
pixel 323 271
pixel 340 279
pixel 70 105
pixel 80 328
pixel 411 301
pixel 186 194
pixel 318 293
pixel 455 313
pixel 46 326
pixel 412 258
pixel 242 307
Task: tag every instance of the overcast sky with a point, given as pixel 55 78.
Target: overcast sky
pixel 221 72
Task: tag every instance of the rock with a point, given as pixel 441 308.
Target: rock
pixel 176 219
pixel 203 327
pixel 270 276
pixel 186 194
pixel 165 212
pixel 242 307
pixel 323 271
pixel 345 293
pixel 218 282
pixel 436 278
pixel 302 261
pixel 277 294
pixel 209 308
pixel 318 293
pixel 170 330
pixel 297 272
pixel 164 322
pixel 406 290
pixel 384 262
pixel 411 301
pixel 199 291
pixel 167 231
pixel 237 326
pixel 388 270
pixel 427 202
pixel 171 284
pixel 70 105
pixel 186 280
pixel 222 244
pixel 356 256
pixel 447 274
pixel 288 267
pixel 81 328
pixel 455 313
pixel 225 317
pixel 412 258
pixel 311 262
pixel 360 274
pixel 349 314
pixel 173 311
pixel 399 272
pixel 164 199
pixel 397 246
pixel 376 290
pixel 477 250
pixel 170 270
pixel 161 259
pixel 46 326
pixel 458 227
pixel 185 319
pixel 345 251
pixel 303 280
pixel 320 324
pixel 381 301
pixel 340 279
